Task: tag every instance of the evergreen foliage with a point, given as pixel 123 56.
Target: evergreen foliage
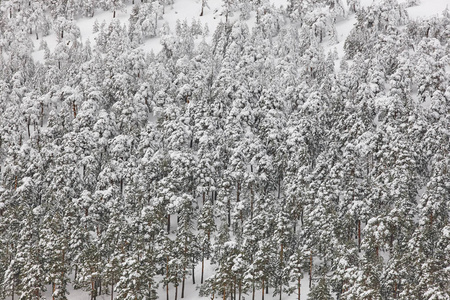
pixel 121 171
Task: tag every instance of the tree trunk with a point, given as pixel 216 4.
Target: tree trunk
pixel 310 270
pixel 359 235
pixel 176 292
pixel 267 286
pixel 240 289
pixel 167 276
pixel 262 290
pixel 279 187
pixel 93 287
pixel 74 107
pixel 112 287
pixel 229 212
pixel 253 290
pixel 301 217
pixel 42 114
pixel 168 224
pixel 281 268
pixel 182 283
pixel 298 287
pixel 28 126
pixel 203 265
pixel 114 13
pixel 251 202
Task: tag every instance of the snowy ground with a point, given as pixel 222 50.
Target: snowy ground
pixel 189 10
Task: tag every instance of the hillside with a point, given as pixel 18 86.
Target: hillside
pixel 224 149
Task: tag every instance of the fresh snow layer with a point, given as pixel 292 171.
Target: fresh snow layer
pixel 428 8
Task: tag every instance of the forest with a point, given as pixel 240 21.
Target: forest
pixel 246 161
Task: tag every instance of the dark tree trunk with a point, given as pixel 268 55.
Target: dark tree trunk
pixel 182 285
pixel 253 290
pixel 112 287
pixel 359 235
pixel 168 224
pixel 203 266
pixel 262 290
pixel 310 270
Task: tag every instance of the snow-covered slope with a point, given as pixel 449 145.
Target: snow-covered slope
pixel 213 15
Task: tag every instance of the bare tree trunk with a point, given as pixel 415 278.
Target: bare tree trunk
pixel 359 235
pixel 253 290
pixel 74 107
pixel 28 126
pixel 301 217
pixel 240 289
pixel 267 286
pixel 168 224
pixel 229 212
pixel 251 202
pixel 193 270
pixel 112 287
pixel 42 114
pixel 182 283
pixel 167 276
pixel 310 270
pixel 279 187
pixel 203 265
pixel 262 290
